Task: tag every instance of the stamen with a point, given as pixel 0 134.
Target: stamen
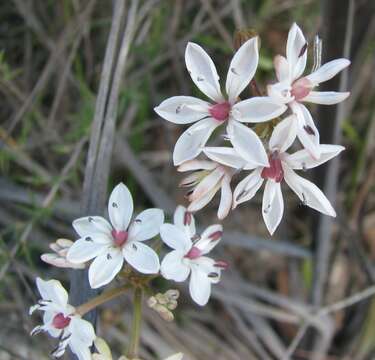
pixel 233 70
pixel 216 235
pixel 303 50
pixel 119 237
pixel 275 171
pixel 187 214
pixel 220 111
pixel 318 44
pixel 213 275
pixel 221 264
pixel 309 129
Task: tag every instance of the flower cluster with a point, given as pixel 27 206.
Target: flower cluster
pixel 267 159
pixel 116 247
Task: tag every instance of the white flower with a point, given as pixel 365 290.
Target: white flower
pixel 61 248
pixel 207 179
pixel 61 321
pixel 208 116
pixel 111 244
pixel 188 255
pixel 292 89
pixel 281 167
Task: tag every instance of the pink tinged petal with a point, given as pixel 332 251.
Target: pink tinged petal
pixel 296 52
pixel 207 184
pixel 302 160
pixel 242 68
pixel 280 92
pixel 184 220
pixel 225 199
pixel 183 109
pixel 247 188
pixel 193 165
pixel 191 142
pixel 199 286
pixel 203 71
pixel 173 267
pixel 120 207
pixel 84 250
pixel 175 237
pixel 92 225
pixel 105 267
pixel 308 192
pixel 52 290
pixel 284 134
pixel 247 144
pixel 202 201
pixel 326 97
pixel 141 257
pixel 281 68
pixel 146 225
pixel 257 109
pixel 328 71
pixel 226 156
pixel 209 239
pixel 272 205
pixel 61 262
pixel 307 132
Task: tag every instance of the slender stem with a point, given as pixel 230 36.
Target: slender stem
pixel 136 325
pixel 101 299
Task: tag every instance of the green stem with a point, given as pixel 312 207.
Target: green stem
pixel 136 325
pixel 101 299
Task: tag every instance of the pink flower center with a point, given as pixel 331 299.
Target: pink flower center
pixel 220 111
pixel 119 237
pixel 301 88
pixel 60 321
pixel 222 264
pixel 193 253
pixel 275 171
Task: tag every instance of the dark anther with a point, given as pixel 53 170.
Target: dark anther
pixel 303 50
pixel 91 219
pixel 200 79
pixel 114 205
pixel 134 247
pixel 88 238
pixel 309 129
pixel 109 257
pixel 233 70
pixel 213 275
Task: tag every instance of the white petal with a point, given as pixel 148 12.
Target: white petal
pixel 326 97
pixel 120 207
pixel 193 165
pixel 225 199
pixel 202 201
pixel 183 109
pixel 206 242
pixel 175 237
pixel 185 222
pixel 280 92
pixel 247 188
pixel 295 44
pixel 226 156
pixel 173 268
pixel 242 68
pixel 302 159
pixel 146 225
pixel 141 257
pixel 92 225
pixel 199 286
pixel 82 330
pixel 52 290
pixel 272 205
pixel 105 267
pixel 191 142
pixel 207 184
pixel 257 109
pixel 284 134
pixel 84 250
pixel 202 71
pixel 282 68
pixel 82 352
pixel 61 262
pixel 308 192
pixel 247 144
pixel 307 132
pixel 328 71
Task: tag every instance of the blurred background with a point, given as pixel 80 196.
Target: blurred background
pixel 51 61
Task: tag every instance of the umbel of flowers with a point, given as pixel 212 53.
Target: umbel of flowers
pixel 127 247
